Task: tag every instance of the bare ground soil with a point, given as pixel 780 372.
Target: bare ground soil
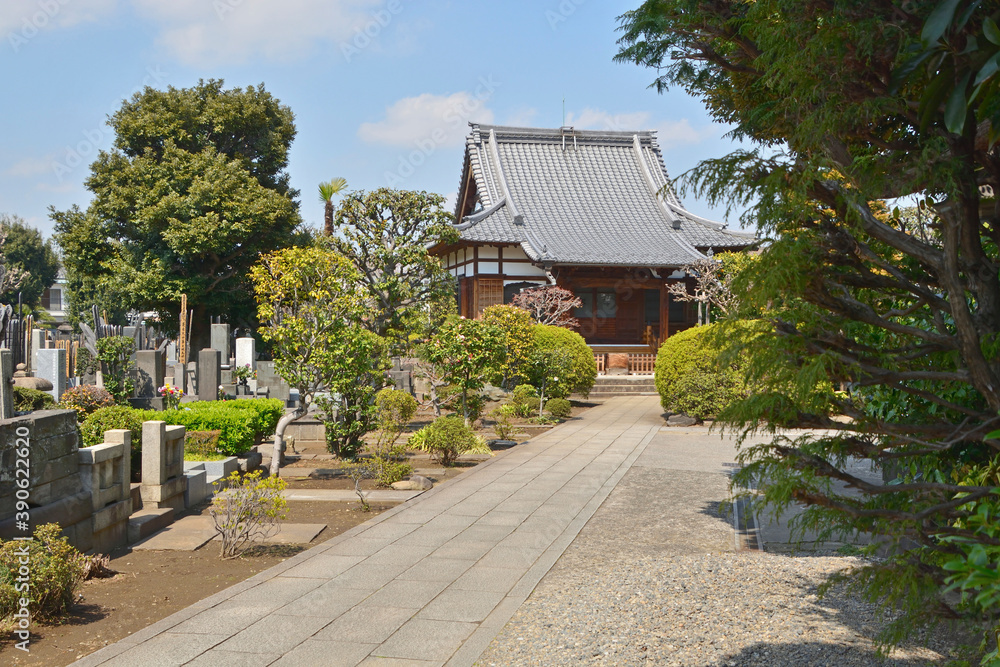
pixel 151 585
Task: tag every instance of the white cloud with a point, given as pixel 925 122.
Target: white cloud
pixel 441 119
pixel 23 19
pixel 31 166
pixel 673 133
pixel 206 32
pixel 669 132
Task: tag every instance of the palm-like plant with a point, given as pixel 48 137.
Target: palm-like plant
pixel 326 192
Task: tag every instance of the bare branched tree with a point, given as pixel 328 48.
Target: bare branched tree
pixel 550 304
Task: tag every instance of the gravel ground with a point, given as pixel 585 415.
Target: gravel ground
pixel 664 586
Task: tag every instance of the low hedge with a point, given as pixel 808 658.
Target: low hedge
pixel 239 423
pixel 691 376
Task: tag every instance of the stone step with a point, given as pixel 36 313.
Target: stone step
pixel 136 497
pixel 144 523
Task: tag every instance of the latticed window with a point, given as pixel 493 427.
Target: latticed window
pixel 489 292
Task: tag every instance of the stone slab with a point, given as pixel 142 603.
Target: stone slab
pixel 148 521
pixel 343 495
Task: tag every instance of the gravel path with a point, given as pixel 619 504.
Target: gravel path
pixel 653 579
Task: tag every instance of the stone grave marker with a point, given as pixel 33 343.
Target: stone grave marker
pixel 209 374
pixel 51 365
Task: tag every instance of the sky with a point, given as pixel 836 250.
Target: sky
pixel 382 90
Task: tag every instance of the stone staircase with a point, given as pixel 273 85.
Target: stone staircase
pixel 607 386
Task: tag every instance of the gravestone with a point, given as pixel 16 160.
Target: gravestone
pixel 179 376
pixel 246 352
pixel 51 365
pixel 149 371
pixel 220 341
pixel 38 342
pixel 191 378
pixel 267 378
pixel 150 367
pixel 209 374
pixel 6 386
pixel 171 352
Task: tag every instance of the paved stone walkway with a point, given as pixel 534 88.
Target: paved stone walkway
pixel 430 582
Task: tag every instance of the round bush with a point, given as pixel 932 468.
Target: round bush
pixel 29 400
pixel 583 368
pixel 86 399
pixel 447 438
pixel 690 377
pixel 114 417
pixel 524 400
pixel 559 408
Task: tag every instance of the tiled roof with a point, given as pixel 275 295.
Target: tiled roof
pixel 583 197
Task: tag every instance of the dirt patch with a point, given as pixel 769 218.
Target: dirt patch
pixel 151 585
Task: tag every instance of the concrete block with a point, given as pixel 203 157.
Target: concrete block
pixel 51 365
pixel 113 514
pixel 154 453
pixel 170 494
pixel 194 465
pixel 144 523
pixel 196 489
pixel 223 467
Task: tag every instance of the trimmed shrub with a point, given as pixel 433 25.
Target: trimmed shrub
pixel 56 571
pixel 86 399
pixel 583 369
pixel 113 417
pixel 559 408
pixel 29 400
pixel 240 423
pixel 201 445
pixel 523 400
pixel 447 438
pixel 695 377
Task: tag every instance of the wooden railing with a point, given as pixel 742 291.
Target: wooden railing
pixel 641 364
pixel 638 363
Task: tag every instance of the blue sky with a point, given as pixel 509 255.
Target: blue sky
pixel 382 90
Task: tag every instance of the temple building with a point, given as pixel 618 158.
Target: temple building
pixel 590 211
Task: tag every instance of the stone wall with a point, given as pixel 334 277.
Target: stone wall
pixel 85 491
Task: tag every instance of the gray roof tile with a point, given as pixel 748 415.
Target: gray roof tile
pixel 588 203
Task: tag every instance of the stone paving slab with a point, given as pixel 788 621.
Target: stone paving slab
pixel 339 495
pixel 429 582
pixel 193 532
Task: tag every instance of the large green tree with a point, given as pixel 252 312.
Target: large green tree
pixel 26 250
pixel 844 106
pixel 193 190
pixel 385 234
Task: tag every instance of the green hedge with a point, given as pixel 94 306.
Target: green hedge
pixel 583 373
pixel 239 423
pixel 690 376
pixel 29 400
